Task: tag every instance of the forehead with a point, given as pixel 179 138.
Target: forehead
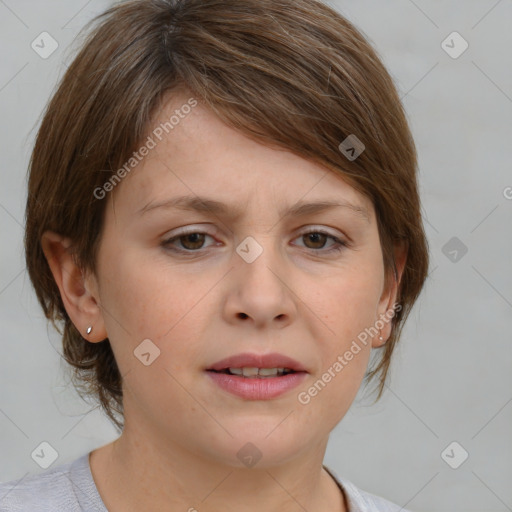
pixel 193 153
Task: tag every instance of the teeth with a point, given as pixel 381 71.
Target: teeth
pixel 270 371
pixel 257 372
pixel 250 372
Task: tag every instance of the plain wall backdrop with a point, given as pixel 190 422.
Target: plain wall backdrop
pixel 451 378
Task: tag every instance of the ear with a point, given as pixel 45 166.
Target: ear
pixel 389 295
pixel 79 294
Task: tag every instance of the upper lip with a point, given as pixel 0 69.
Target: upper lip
pixel 273 360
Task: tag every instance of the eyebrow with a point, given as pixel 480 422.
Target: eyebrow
pixel 208 205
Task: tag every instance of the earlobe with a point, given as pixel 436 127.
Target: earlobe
pixel 81 304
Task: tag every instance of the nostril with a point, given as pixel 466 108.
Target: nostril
pixel 243 315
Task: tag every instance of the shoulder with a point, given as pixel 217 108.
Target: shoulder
pixel 363 501
pixel 367 502
pixel 50 491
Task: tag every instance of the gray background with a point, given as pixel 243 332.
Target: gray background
pixel 451 377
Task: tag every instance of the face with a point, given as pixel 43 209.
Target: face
pixel 206 284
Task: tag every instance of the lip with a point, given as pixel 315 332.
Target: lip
pixel 254 388
pixel 273 360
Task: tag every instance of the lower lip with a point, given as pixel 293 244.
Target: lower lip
pixel 254 388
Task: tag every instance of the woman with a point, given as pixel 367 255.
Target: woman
pixel 223 214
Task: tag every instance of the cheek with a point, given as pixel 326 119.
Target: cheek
pixel 344 306
pixel 346 303
pixel 332 391
pixel 142 301
pixel 348 307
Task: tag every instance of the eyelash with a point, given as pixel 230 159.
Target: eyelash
pixel 337 247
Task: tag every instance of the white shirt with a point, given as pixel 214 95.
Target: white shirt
pixel 70 487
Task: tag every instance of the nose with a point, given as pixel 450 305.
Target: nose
pixel 260 291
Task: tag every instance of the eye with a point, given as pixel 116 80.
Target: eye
pixel 317 238
pixel 190 241
pixel 193 241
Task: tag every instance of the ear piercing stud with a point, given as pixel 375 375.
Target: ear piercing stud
pixel 89 329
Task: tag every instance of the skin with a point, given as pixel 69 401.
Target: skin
pixel 178 450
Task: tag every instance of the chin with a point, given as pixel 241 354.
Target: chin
pixel 252 448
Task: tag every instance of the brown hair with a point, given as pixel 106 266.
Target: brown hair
pixel 290 73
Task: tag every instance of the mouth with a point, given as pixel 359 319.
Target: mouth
pixel 253 383
pixel 252 376
pixel 257 365
pixel 256 373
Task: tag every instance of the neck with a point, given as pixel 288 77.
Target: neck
pixel 130 474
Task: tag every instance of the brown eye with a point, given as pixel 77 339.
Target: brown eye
pixel 186 242
pixel 316 239
pixel 192 241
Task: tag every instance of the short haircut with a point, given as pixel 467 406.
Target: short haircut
pixel 293 74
